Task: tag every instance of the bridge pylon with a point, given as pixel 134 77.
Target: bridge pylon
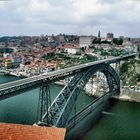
pixel 44 102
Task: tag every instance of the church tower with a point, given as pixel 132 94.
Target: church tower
pixel 99 34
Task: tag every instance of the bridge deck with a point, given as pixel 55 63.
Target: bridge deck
pixel 35 81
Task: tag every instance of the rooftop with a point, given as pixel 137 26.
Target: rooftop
pixel 72 46
pixel 30 132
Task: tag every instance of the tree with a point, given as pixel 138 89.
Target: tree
pixel 118 41
pixel 97 41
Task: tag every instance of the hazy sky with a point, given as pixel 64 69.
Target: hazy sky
pixel 81 17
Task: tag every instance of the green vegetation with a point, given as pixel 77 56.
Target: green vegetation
pixel 1 55
pixel 124 68
pixel 130 72
pixel 98 41
pixel 79 60
pixel 90 57
pixel 55 57
pixel 105 53
pixel 49 56
pixel 70 61
pixel 64 56
pixel 12 38
pixel 6 50
pixel 118 41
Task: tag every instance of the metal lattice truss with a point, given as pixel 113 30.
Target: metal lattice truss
pixel 44 97
pixel 59 111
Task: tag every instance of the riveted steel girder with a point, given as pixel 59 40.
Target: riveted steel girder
pixel 44 100
pixel 59 111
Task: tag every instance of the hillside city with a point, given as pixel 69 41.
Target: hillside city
pixel 32 55
pixel 69 70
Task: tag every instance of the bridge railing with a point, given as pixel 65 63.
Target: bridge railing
pixel 55 75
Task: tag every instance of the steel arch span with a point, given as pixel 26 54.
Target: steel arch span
pixel 59 111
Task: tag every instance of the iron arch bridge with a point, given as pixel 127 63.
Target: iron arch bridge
pixel 57 114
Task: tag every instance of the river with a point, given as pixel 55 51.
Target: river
pixel 121 121
pixel 23 108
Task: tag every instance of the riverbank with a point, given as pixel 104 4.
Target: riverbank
pixel 61 83
pixel 14 73
pixel 129 95
pixel 3 72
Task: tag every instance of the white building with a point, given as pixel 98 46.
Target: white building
pixel 72 49
pixel 106 46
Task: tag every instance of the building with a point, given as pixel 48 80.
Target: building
pixel 106 46
pixel 17 61
pixel 8 63
pixel 85 41
pixel 110 35
pixel 60 39
pixel 72 49
pixel 99 35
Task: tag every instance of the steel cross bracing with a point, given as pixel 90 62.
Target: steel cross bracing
pixel 59 111
pixel 58 105
pixel 44 100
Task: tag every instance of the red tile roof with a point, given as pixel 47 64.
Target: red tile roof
pixel 30 132
pixel 73 46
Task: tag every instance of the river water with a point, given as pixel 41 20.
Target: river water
pixel 120 122
pixel 23 108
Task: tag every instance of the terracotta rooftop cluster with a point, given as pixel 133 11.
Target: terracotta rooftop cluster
pixel 29 132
